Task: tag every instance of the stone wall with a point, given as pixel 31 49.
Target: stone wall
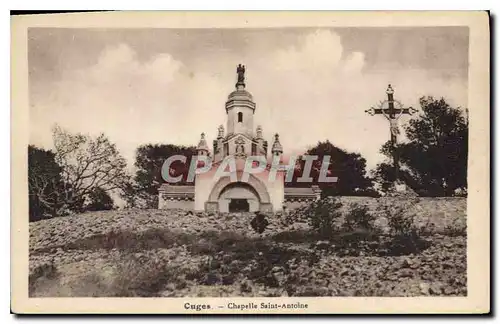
pixel 441 210
pixel 428 211
pixel 291 205
pixel 177 204
pixel 445 205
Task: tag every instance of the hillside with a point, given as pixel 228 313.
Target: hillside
pixel 177 253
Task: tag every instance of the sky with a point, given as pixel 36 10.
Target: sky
pixel 142 86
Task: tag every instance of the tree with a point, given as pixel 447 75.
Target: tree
pixel 44 184
pixel 143 192
pixel 87 163
pixel 435 157
pixel 349 168
pixel 99 200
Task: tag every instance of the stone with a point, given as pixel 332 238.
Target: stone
pixel 436 288
pixel 425 288
pixel 406 273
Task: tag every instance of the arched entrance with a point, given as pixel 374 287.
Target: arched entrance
pixel 227 196
pixel 239 197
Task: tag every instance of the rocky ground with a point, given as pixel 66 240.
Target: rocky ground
pixel 174 253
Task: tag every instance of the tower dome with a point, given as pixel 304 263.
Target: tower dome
pixel 240 94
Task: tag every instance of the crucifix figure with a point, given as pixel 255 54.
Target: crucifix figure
pixel 392 110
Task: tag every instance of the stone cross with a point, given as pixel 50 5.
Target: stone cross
pixel 392 109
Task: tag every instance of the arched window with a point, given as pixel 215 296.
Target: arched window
pixel 240 117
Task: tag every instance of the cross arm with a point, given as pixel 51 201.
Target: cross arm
pixel 409 110
pixel 374 111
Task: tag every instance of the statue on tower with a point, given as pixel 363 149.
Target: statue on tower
pixel 241 73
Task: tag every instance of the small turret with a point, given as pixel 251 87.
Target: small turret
pixel 277 149
pixel 259 132
pixel 202 148
pixel 220 132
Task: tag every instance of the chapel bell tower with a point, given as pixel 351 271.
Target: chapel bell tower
pixel 240 107
pixel 239 138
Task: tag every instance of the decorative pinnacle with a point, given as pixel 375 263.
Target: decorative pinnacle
pixel 277 148
pixel 259 131
pixel 202 145
pixel 220 131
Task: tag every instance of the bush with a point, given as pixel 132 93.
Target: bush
pixel 358 218
pixel 322 216
pixel 406 237
pixel 152 238
pixel 259 223
pixel 99 199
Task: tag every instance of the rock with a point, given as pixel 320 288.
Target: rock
pixel 406 273
pixel 436 288
pixel 280 278
pixel 406 263
pixel 277 269
pixel 425 288
pixel 322 244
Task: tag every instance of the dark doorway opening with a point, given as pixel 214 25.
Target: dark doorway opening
pixel 239 205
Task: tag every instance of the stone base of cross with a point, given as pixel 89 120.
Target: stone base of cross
pixel 400 189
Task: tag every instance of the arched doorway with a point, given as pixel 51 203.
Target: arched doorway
pixel 239 197
pixel 227 195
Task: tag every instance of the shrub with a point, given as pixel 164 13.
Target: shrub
pixel 406 237
pixel 259 223
pixel 322 216
pixel 152 238
pixel 358 218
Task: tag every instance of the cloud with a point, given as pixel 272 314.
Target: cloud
pixel 133 102
pixel 308 91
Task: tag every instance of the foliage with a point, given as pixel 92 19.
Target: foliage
pixel 143 192
pixel 349 168
pixel 322 216
pixel 435 158
pixel 358 217
pixel 99 200
pixel 87 163
pixel 259 223
pixel 406 236
pixel 44 184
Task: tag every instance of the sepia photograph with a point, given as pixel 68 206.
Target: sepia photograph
pixel 232 167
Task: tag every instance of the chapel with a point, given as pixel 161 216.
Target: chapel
pixel 239 139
